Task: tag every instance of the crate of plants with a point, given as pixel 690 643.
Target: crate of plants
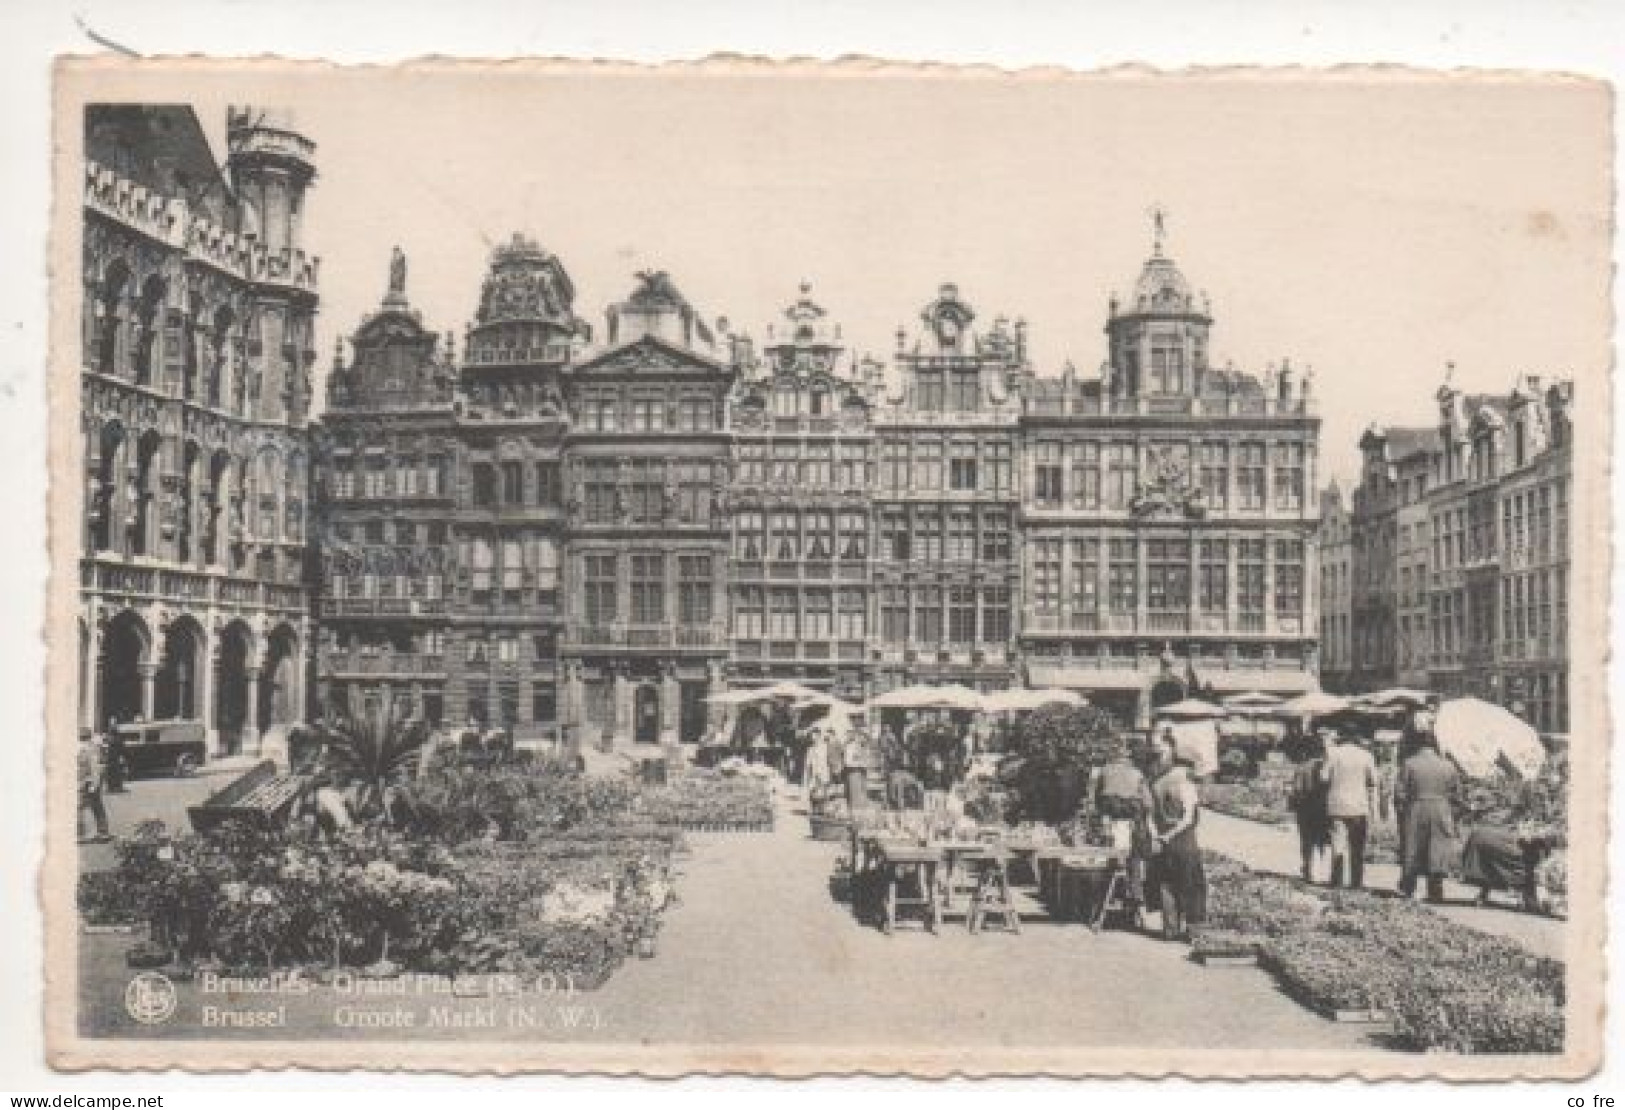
pixel 708 801
pixel 1343 978
pixel 1226 948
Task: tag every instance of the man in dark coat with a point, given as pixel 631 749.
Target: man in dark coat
pixel 1423 794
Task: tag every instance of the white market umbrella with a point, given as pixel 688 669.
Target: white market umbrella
pixel 1253 699
pixel 929 697
pixel 1020 701
pixel 1316 703
pixel 1476 733
pixel 1399 695
pixel 1191 709
pixel 734 697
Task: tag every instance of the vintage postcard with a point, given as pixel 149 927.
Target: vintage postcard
pixel 807 569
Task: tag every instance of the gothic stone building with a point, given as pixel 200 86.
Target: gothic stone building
pixel 195 365
pixel 1165 517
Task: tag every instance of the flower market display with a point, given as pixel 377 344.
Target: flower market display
pixel 710 801
pixel 1444 986
pixel 516 867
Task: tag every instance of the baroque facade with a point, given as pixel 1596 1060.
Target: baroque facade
pixel 195 368
pixel 1461 551
pixel 558 535
pixel 1166 519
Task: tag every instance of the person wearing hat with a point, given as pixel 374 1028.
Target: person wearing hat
pixel 1426 784
pixel 1177 872
pixel 1350 775
pixel 92 770
pixel 1307 800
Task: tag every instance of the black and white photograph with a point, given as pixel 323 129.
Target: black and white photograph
pixel 819 569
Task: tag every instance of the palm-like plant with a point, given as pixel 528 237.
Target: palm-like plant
pixel 373 746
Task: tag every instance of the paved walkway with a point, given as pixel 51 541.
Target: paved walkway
pixel 759 953
pixel 1275 848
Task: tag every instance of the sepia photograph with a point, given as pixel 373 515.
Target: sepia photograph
pixel 817 569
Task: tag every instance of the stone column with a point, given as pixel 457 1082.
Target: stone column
pixel 149 674
pixel 251 711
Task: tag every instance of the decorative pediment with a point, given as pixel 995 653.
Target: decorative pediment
pixel 390 329
pixel 649 356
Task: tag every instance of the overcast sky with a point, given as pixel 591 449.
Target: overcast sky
pixel 1372 229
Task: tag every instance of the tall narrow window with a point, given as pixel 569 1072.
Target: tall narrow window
pixel 1046 598
pixel 962 615
pixel 648 589
pixel 694 589
pixel 749 622
pixel 928 615
pixel 598 589
pixel 852 615
pixel 1086 475
pixel 1047 475
pixel 1085 601
pixel 1123 578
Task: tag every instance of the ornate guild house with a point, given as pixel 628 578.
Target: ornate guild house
pixel 1166 515
pixel 195 366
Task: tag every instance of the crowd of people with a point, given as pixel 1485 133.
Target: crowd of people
pixel 1339 789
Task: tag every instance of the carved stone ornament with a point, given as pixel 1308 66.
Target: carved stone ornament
pixel 1167 490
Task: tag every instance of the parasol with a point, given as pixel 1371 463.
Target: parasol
pixel 1476 733
pixel 1316 703
pixel 1252 700
pixel 1018 700
pixel 929 697
pixel 1398 696
pixel 1191 709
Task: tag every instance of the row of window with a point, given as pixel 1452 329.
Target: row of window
pixel 645 599
pixel 1110 576
pixel 945 614
pixel 514 483
pixel 648 491
pixel 817 613
pixel 380 476
pixel 1090 475
pixel 961 465
pixel 609 411
pixel 931 534
pixel 792 534
pixel 811 465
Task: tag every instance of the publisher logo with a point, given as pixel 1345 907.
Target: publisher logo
pixel 150 998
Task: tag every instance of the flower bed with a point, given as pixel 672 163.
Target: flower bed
pixel 508 868
pixel 1445 986
pixel 705 800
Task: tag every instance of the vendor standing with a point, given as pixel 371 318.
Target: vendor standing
pixel 1177 874
pixel 1426 784
pixel 1120 796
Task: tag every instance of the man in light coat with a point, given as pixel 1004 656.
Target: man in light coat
pixel 1350 775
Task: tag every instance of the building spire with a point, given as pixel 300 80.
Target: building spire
pixel 1159 228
